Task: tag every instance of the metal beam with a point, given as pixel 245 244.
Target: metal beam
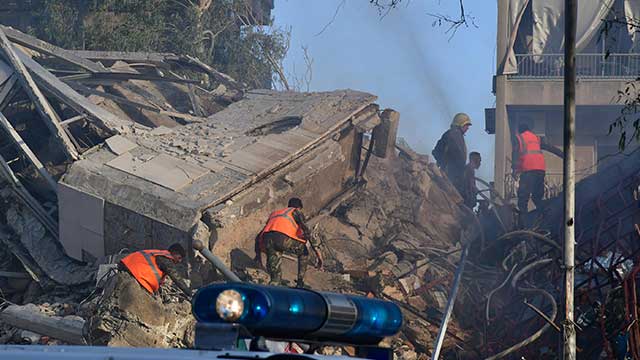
pixel 450 303
pixel 51 119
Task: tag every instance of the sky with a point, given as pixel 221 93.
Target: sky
pixel 414 67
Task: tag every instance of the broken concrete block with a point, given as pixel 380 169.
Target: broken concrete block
pixel 416 333
pixel 128 315
pixel 418 303
pixel 393 293
pixel 30 317
pixel 409 284
pixel 200 231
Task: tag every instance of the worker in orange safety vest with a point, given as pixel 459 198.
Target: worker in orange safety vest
pixel 149 267
pixel 286 232
pixel 530 165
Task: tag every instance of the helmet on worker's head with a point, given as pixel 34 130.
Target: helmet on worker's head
pixel 460 120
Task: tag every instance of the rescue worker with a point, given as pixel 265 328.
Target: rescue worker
pixel 530 165
pixel 470 192
pixel 451 150
pixel 149 268
pixel 286 232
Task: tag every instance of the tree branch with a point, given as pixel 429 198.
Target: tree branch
pixel 464 19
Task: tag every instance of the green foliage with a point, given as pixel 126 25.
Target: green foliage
pixel 219 32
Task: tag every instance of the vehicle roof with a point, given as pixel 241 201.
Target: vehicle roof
pixel 28 352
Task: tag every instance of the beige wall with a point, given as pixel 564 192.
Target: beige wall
pixel 543 99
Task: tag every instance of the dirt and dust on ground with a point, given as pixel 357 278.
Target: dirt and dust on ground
pixel 395 236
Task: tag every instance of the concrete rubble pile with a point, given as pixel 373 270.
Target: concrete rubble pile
pixel 399 238
pixel 109 153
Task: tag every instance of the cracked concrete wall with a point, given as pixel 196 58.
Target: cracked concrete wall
pixel 125 229
pixel 316 178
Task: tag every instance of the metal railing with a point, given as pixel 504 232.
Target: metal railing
pixel 625 66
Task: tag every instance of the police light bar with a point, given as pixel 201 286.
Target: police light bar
pixel 298 314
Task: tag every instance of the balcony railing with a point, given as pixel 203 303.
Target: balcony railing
pixel 626 66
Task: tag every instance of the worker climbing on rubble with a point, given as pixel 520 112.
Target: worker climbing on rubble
pixel 286 232
pixel 149 267
pixel 530 165
pixel 470 192
pixel 451 150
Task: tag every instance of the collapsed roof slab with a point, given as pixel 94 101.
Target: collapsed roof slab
pixel 172 175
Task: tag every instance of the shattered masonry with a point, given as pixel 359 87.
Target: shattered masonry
pixel 106 153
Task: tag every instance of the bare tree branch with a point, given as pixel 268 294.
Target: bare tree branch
pixel 464 19
pixel 340 6
pixel 308 74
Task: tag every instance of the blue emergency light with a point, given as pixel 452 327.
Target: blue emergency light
pixel 299 314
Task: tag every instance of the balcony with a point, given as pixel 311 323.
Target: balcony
pixel 596 66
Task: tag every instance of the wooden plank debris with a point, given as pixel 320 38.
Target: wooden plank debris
pixel 107 78
pixel 134 57
pixel 135 104
pixel 220 77
pixel 195 103
pixel 71 97
pixel 29 317
pixel 25 196
pixel 50 117
pixel 17 140
pixel 6 72
pixel 44 47
pixel 73 119
pixel 14 275
pixel 161 59
pixel 7 91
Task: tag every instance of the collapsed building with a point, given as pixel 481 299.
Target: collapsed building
pixel 106 153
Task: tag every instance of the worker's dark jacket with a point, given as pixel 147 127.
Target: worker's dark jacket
pixel 170 268
pixel 470 189
pixel 453 155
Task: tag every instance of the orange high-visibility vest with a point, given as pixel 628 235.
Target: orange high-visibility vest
pixel 283 222
pixel 530 152
pixel 144 268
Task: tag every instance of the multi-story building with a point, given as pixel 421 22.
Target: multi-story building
pixel 528 83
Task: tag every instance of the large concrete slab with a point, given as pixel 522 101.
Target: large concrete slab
pixel 164 170
pixel 172 176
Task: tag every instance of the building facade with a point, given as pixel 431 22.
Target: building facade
pixel 528 83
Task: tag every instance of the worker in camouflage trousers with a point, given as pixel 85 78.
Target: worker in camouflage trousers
pixel 286 233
